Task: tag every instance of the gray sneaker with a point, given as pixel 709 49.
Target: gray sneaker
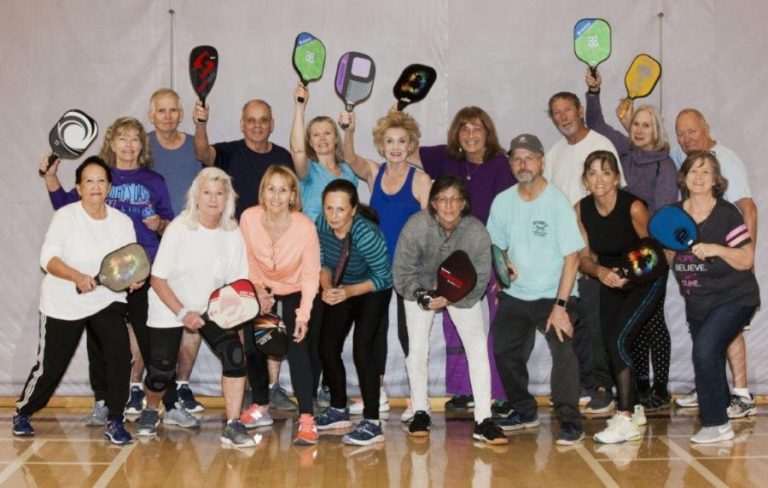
pixel 278 399
pixel 716 433
pixel 234 434
pixel 147 424
pixel 98 416
pixel 324 397
pixel 179 416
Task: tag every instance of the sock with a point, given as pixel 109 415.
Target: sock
pixel 272 385
pixel 742 392
pixel 375 422
pixel 181 383
pixel 140 386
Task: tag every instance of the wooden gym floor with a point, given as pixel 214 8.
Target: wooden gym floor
pixel 66 453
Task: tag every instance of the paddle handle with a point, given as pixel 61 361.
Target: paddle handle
pixel 301 99
pixel 51 159
pixel 593 71
pixel 624 107
pixel 80 292
pixel 349 107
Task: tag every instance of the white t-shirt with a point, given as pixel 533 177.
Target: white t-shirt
pixel 81 242
pixel 732 168
pixel 195 263
pixel 564 164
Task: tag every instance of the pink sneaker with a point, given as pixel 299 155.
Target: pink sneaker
pixel 256 416
pixel 307 433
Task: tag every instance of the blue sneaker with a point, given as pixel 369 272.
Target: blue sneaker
pixel 116 432
pixel 135 401
pixel 516 421
pixel 365 433
pixel 332 418
pixel 21 426
pixel 187 399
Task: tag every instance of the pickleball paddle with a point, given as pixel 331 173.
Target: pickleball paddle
pixel 232 304
pixel 308 58
pixel 673 228
pixel 644 262
pixel 592 42
pixel 123 267
pixel 355 73
pixel 203 67
pixel 641 78
pixel 500 259
pixel 270 336
pixel 456 277
pixel 413 84
pixel 71 136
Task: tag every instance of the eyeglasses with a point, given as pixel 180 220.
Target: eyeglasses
pixel 446 200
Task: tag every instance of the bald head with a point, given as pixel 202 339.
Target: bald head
pixel 693 131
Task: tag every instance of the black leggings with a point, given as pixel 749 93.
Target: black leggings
pixel 365 311
pixel 58 340
pixel 164 353
pixel 298 360
pixel 653 338
pixel 623 313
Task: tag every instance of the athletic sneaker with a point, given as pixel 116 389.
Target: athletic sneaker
pixel 585 396
pixel 135 401
pixel 324 397
pixel 147 424
pixel 501 408
pixel 490 433
pixel 570 434
pixel 179 416
pixel 115 432
pixel 98 416
pixel 307 433
pixel 716 433
pixel 517 420
pixel 256 416
pixel 278 399
pixel 638 416
pixel 234 434
pixel 601 401
pixel 419 426
pixel 407 414
pixel 689 400
pixel 22 427
pixel 357 407
pixel 333 418
pixel 187 399
pixel 741 407
pixel 460 403
pixel 366 433
pixel 656 400
pixel 620 429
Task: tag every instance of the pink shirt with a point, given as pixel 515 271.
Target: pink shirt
pixel 290 264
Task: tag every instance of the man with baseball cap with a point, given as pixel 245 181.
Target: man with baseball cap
pixel 536 224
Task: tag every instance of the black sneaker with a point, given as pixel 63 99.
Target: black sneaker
pixel 419 426
pixel 460 403
pixel 501 408
pixel 570 434
pixel 601 402
pixel 517 420
pixel 490 433
pixel 657 400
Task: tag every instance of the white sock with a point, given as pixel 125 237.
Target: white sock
pixel 742 392
pixel 138 385
pixel 180 383
pixel 376 422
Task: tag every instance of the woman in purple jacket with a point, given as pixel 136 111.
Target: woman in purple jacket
pixel 651 175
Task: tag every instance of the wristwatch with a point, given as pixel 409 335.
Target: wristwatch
pixel 561 303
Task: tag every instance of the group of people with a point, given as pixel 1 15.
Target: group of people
pixel 292 223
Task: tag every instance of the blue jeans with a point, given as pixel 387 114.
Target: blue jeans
pixel 711 338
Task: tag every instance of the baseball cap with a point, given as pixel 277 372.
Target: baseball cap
pixel 526 141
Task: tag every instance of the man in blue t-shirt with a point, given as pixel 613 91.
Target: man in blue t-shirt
pixel 537 226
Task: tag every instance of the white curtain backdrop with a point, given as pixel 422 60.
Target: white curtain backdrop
pixel 508 57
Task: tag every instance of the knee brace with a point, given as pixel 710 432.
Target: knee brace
pixel 160 374
pixel 230 352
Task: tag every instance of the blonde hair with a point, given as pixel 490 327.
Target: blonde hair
pixel 290 177
pixel 189 214
pixel 396 120
pixel 660 140
pixel 120 126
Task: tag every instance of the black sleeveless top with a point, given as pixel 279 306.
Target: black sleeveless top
pixel 612 235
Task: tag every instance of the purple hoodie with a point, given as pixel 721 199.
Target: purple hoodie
pixel 650 175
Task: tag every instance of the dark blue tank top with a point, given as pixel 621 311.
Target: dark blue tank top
pixel 394 210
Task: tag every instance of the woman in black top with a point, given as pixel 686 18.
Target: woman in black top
pixel 613 221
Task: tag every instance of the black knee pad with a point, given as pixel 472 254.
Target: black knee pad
pixel 160 374
pixel 229 350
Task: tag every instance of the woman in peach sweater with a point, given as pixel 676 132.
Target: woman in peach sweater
pixel 284 266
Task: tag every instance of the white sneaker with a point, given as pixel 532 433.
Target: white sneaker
pixel 689 400
pixel 741 407
pixel 357 407
pixel 638 416
pixel 716 433
pixel 620 429
pixel 408 413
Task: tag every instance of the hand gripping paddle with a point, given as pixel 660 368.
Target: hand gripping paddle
pixel 232 304
pixel 354 78
pixel 592 42
pixel 641 78
pixel 644 262
pixel 673 228
pixel 71 136
pixel 123 267
pixel 203 66
pixel 308 58
pixel 456 277
pixel 413 85
pixel 500 265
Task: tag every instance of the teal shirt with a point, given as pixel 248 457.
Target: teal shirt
pixel 314 183
pixel 537 236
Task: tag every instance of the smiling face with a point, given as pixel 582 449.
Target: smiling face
pixel 166 113
pixel 94 186
pixel 396 145
pixel 256 124
pixel 448 205
pixel 693 133
pixel 568 119
pixel 526 165
pixel 322 138
pixel 338 212
pixel 642 131
pixel 211 200
pixel 472 139
pixel 126 144
pixel 700 179
pixel 600 179
pixel 278 195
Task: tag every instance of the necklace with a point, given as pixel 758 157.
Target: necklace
pixel 469 173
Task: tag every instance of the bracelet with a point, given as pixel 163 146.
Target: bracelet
pixel 182 313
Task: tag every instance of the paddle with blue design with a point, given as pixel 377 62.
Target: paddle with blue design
pixel 592 42
pixel 308 58
pixel 673 228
